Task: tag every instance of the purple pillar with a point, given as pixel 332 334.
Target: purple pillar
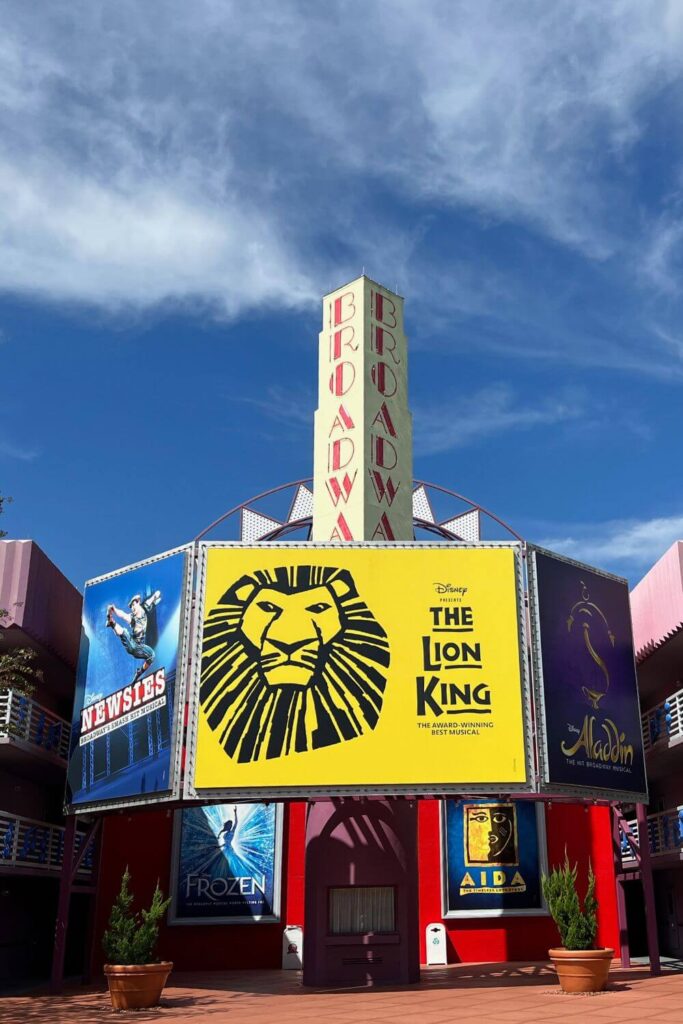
pixel 367 847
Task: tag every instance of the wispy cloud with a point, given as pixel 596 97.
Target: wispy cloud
pixel 207 153
pixel 23 453
pixel 290 406
pixel 457 422
pixel 625 544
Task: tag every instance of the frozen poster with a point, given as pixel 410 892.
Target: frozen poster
pixel 226 860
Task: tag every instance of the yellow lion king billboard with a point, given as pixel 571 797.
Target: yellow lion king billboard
pixel 342 669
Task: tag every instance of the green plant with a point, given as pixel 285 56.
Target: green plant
pixel 577 927
pixel 131 938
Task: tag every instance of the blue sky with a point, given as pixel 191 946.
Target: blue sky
pixel 180 183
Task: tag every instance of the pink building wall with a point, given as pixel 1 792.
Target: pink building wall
pixel 39 599
pixel 657 602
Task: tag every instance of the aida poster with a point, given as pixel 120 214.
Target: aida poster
pixel 586 667
pixel 123 723
pixel 356 666
pixel 493 855
pixel 226 860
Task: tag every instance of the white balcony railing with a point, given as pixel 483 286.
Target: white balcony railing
pixel 28 721
pixel 665 833
pixel 663 722
pixel 27 843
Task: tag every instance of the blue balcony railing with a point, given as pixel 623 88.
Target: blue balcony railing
pixel 25 721
pixel 664 830
pixel 38 845
pixel 664 722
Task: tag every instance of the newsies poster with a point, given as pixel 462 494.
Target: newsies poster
pixel 493 855
pixel 585 675
pixel 124 720
pixel 226 864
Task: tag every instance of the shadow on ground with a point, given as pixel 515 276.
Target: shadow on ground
pixel 259 996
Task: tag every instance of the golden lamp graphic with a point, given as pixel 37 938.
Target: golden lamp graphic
pixel 586 614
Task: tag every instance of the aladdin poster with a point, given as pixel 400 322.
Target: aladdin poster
pixel 587 667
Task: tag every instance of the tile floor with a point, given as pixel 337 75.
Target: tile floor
pixel 463 993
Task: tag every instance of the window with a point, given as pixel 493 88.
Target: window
pixel 355 910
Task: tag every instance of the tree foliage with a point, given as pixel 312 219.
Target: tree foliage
pixel 577 927
pixel 131 937
pixel 18 671
pixel 4 500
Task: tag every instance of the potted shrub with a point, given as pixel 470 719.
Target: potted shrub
pixel 580 966
pixel 136 979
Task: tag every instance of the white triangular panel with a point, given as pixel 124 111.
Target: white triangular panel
pixel 466 525
pixel 254 525
pixel 302 506
pixel 421 507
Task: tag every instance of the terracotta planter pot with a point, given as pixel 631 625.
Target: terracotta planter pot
pixel 582 970
pixel 136 986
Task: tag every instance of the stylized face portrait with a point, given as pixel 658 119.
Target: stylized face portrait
pixel 292 660
pixel 490 834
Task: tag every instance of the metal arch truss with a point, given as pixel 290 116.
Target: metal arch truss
pixel 288 510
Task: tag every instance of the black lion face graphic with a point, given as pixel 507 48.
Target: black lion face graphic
pixel 293 660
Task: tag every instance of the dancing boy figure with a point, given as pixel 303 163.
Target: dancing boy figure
pixel 134 639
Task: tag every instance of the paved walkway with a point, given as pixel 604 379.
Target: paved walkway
pixel 485 993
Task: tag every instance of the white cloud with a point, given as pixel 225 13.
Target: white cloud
pixel 76 239
pixel 219 153
pixel 462 421
pixel 628 544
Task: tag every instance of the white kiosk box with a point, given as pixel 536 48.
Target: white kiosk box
pixel 292 948
pixel 437 954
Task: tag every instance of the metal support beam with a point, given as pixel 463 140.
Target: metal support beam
pixel 621 895
pixel 92 903
pixel 65 885
pixel 648 889
pixel 70 867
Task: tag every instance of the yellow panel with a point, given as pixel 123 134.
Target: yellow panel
pixel 360 667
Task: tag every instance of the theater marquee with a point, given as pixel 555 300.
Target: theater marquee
pixel 359 669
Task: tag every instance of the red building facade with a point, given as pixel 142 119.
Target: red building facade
pixel 143 841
